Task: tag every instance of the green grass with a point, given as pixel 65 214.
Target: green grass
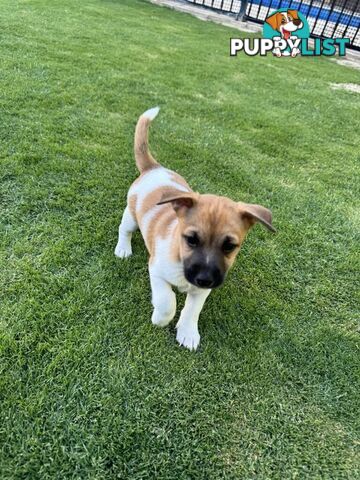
pixel 89 389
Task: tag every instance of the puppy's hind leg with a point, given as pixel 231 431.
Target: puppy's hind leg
pixel 127 226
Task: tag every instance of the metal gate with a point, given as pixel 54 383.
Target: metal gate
pixel 326 18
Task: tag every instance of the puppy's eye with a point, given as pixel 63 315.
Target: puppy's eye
pixel 283 20
pixel 228 246
pixel 192 240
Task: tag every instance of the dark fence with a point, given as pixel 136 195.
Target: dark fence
pixel 326 18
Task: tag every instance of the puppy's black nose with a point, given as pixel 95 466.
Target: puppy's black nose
pixel 297 21
pixel 204 282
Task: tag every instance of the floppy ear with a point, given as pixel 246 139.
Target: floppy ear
pixel 294 14
pixel 274 20
pixel 180 201
pixel 257 213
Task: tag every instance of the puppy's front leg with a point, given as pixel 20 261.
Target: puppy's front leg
pixel 295 51
pixel 187 326
pixel 163 300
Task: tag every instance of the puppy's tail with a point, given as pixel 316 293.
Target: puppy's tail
pixel 143 157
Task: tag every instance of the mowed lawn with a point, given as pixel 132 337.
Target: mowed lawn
pixel 89 389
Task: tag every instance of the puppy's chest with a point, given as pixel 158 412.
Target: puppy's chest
pixel 176 277
pixel 165 267
pixel 170 271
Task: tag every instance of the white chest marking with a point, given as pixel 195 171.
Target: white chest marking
pixel 166 268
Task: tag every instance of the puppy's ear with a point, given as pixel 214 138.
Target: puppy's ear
pixel 294 14
pixel 180 201
pixel 274 20
pixel 256 213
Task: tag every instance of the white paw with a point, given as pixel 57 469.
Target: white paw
pixel 161 320
pixel 123 250
pixel 188 337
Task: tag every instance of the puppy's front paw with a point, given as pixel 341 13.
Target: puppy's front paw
pixel 123 250
pixel 161 319
pixel 277 52
pixel 188 337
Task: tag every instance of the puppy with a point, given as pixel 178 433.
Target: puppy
pixel 286 23
pixel 192 239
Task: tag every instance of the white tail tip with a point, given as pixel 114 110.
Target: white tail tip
pixel 152 113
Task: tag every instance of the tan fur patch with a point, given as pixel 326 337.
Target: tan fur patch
pixel 159 223
pixel 175 177
pixel 154 197
pixel 150 201
pixel 144 160
pixel 215 216
pixel 159 227
pixel 132 205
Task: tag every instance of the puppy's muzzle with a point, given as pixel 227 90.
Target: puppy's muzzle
pixel 204 276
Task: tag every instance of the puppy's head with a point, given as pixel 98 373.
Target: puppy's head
pixel 211 230
pixel 285 22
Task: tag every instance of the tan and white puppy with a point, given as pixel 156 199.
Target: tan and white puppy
pixel 192 239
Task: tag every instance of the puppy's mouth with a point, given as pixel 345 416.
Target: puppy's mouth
pixel 291 28
pixel 286 34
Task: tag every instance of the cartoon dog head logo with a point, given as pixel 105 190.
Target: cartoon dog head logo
pixel 286 24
